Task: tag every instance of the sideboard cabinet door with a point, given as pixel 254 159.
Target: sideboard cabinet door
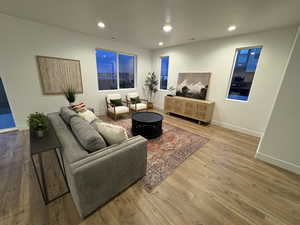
pixel 201 110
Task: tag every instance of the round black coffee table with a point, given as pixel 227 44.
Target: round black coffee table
pixel 147 124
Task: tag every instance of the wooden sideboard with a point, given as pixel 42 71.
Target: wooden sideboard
pixel 200 110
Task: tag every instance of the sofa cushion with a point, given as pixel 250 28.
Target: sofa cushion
pixel 135 100
pixel 116 102
pixel 67 113
pixel 138 106
pixel 112 134
pixel 88 137
pixel 119 109
pixel 87 115
pixel 113 96
pixel 72 150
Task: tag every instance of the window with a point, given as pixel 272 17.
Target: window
pixel 126 71
pixel 106 69
pixel 164 71
pixel 243 73
pixel 115 70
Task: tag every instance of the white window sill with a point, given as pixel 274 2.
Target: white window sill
pixel 235 100
pixel 8 130
pixel 118 90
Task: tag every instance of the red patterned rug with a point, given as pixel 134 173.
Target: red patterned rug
pixel 166 152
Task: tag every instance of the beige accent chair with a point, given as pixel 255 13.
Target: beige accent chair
pixel 115 111
pixel 138 106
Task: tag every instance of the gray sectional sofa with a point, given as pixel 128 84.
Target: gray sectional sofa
pixel 95 178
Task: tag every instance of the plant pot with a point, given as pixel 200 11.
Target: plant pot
pixel 150 105
pixel 40 133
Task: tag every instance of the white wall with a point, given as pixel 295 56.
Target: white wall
pixel 217 56
pixel 280 144
pixel 22 40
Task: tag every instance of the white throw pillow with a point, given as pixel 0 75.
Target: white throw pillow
pixel 111 133
pixel 88 115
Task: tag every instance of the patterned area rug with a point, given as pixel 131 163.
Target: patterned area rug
pixel 166 152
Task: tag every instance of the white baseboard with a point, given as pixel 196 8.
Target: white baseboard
pixel 278 162
pixel 237 128
pixel 230 126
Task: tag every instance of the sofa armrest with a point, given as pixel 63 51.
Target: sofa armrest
pixel 103 174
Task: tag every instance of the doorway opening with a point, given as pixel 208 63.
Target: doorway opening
pixel 6 118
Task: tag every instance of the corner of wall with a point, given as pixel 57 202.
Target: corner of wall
pixel 238 128
pixel 262 145
pixel 278 162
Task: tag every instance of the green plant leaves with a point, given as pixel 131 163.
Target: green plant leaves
pixel 38 121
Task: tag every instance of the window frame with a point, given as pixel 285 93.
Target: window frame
pixel 232 71
pixel 117 69
pixel 160 61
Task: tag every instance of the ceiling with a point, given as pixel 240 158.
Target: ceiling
pixel 140 22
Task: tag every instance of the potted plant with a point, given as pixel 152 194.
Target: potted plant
pixel 151 83
pixel 171 91
pixel 70 93
pixel 38 123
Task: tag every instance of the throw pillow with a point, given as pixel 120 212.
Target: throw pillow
pixel 79 107
pixel 88 137
pixel 66 113
pixel 111 133
pixel 135 100
pixel 116 102
pixel 87 115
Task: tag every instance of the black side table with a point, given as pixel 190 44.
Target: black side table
pixel 39 145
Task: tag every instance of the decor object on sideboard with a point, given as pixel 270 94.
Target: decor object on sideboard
pixel 38 124
pixel 150 85
pixel 171 91
pixel 193 85
pixel 57 73
pixel 70 95
pixel 197 109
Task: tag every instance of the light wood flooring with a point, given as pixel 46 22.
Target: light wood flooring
pixel 221 183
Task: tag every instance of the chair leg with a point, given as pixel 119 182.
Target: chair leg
pixel 115 116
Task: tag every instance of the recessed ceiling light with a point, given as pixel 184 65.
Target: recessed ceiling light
pixel 160 43
pixel 167 28
pixel 101 25
pixel 231 28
